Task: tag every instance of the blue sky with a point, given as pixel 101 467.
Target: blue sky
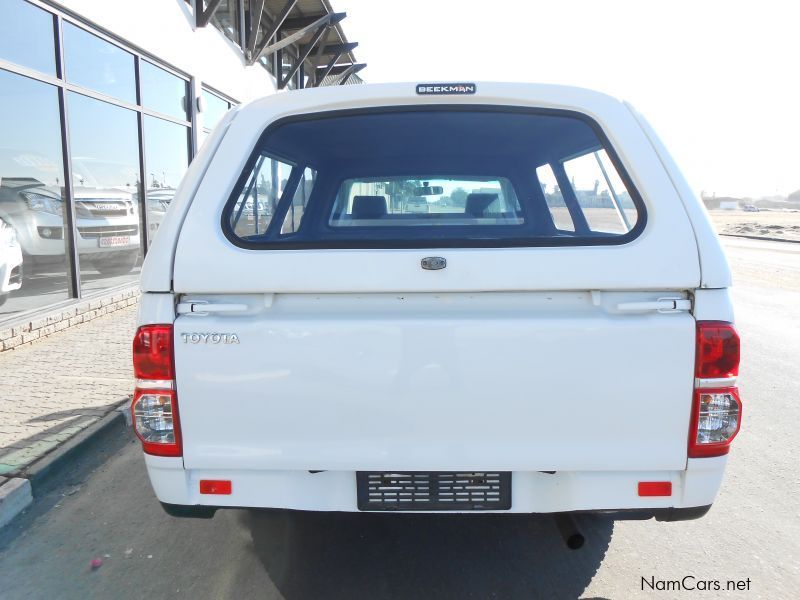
pixel 717 79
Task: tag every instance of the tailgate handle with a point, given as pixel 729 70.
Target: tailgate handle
pixel 662 305
pixel 201 308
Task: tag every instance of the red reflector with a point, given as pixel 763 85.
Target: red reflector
pixel 717 350
pixel 215 486
pixel 152 352
pixel 655 488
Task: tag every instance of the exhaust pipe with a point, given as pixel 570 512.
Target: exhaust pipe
pixel 569 531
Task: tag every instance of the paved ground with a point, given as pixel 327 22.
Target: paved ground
pixel 58 386
pixel 104 506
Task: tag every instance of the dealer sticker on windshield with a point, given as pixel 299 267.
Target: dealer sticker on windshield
pixel 445 88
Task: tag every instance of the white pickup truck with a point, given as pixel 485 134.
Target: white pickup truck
pixel 553 333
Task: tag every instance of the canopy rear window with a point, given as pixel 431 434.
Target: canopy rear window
pixel 444 177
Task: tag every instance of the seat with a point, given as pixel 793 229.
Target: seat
pixel 369 207
pixel 477 203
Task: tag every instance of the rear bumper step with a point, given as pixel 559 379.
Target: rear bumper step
pixel 660 514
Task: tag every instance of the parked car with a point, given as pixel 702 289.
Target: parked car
pixel 10 261
pixel 158 201
pixel 479 359
pixel 416 204
pixel 750 208
pixel 107 218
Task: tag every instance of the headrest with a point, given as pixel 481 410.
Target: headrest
pixel 478 203
pixel 369 207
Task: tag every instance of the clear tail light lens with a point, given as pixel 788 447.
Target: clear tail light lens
pixel 155 421
pixel 716 419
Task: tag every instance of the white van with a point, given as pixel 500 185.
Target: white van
pixel 554 334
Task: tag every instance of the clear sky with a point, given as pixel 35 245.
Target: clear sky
pixel 718 79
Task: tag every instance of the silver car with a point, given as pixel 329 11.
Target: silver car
pixel 107 218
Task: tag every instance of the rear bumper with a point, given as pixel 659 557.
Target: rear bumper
pixel 532 492
pixel 671 515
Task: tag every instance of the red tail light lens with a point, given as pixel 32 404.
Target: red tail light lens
pixel 153 353
pixel 716 410
pixel 155 405
pixel 717 350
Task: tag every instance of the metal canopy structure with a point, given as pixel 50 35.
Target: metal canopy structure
pixel 302 37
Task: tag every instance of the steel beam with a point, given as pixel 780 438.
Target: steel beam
pixel 328 49
pixel 342 73
pixel 328 19
pixel 348 74
pixel 339 69
pixel 312 75
pixel 303 56
pixel 321 73
pixel 301 22
pixel 203 16
pixel 258 52
pixel 256 8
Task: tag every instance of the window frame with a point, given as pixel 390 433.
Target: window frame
pixel 58 17
pixel 588 238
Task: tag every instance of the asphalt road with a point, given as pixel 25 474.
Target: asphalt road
pixel 104 508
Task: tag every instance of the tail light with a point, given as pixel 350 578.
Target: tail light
pixel 717 408
pixel 155 405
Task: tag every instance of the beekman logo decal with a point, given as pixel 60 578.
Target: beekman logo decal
pixel 445 88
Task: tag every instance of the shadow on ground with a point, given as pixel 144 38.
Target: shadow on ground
pixel 66 419
pixel 339 555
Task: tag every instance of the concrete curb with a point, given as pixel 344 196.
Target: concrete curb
pixel 38 472
pixel 19 489
pixel 15 496
pixel 759 237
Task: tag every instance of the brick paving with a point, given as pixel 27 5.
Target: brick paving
pixel 59 385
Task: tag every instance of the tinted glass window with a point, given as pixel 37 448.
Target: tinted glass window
pixel 554 198
pixel 425 201
pixel 98 65
pixel 601 195
pixel 435 178
pixel 214 109
pixel 166 147
pixel 226 18
pixel 256 204
pixel 105 163
pixel 162 91
pixel 26 36
pixel 32 264
pixel 297 209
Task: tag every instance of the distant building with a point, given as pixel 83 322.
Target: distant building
pixel 729 204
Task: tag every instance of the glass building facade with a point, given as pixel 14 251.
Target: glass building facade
pixel 95 139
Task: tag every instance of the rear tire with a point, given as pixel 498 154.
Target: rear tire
pixel 116 263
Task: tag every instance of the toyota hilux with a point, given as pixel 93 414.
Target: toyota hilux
pixel 553 334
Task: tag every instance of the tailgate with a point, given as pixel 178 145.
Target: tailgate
pixel 507 381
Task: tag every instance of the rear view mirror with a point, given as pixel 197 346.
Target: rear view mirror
pixel 429 190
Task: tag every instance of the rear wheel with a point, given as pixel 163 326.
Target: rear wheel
pixel 116 263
